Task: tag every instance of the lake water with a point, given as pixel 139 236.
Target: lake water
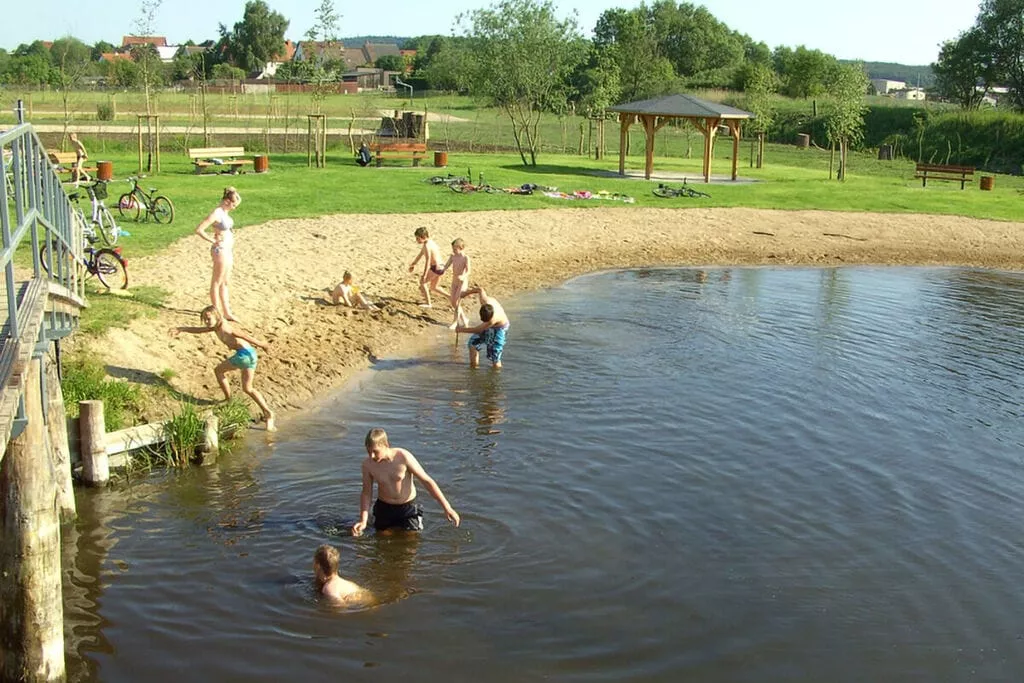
pixel 743 474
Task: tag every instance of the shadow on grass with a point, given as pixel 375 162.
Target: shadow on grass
pixel 154 380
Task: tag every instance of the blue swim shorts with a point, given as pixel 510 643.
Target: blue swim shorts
pixel 494 339
pixel 244 358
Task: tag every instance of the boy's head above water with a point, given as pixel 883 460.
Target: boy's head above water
pixel 377 443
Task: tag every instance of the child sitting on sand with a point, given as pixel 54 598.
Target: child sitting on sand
pixel 244 358
pixel 349 294
pixel 330 585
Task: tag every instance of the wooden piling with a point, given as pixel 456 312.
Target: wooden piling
pixel 95 463
pixel 60 452
pixel 31 604
pixel 210 447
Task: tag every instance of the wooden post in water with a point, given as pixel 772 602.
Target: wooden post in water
pixel 211 441
pixel 95 464
pixel 31 603
pixel 60 453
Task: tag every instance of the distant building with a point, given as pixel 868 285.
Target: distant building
pixel 114 56
pixel 884 86
pixel 352 57
pixel 270 68
pixel 915 94
pixel 128 42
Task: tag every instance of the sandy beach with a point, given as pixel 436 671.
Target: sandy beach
pixel 283 269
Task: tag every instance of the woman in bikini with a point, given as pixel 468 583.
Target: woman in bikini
pixel 222 250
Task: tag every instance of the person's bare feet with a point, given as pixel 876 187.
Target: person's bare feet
pixel 271 423
pixel 425 306
pixel 453 326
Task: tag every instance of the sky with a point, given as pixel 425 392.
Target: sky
pixel 902 31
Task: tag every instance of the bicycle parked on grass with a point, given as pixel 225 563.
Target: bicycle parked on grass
pixel 100 223
pixel 109 267
pixel 135 204
pixel 665 191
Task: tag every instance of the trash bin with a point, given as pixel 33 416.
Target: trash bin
pixel 988 182
pixel 261 163
pixel 104 170
pixel 440 159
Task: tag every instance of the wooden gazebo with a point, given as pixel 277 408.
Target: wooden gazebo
pixel 705 117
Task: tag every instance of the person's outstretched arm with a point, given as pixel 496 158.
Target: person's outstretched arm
pixel 414 466
pixel 364 502
pixel 190 330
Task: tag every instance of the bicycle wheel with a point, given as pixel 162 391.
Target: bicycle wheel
pixel 665 192
pixel 163 210
pixel 107 228
pixel 463 188
pixel 110 269
pixel 436 180
pixel 128 206
pixel 44 259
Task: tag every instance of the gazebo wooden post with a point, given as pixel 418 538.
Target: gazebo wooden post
pixel 734 128
pixel 652 124
pixel 712 131
pixel 625 121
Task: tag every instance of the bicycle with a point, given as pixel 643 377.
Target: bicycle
pixel 447 180
pixel 109 267
pixel 101 222
pixel 136 203
pixel 667 192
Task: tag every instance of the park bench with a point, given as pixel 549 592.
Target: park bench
pixel 958 174
pixel 63 162
pixel 416 150
pixel 223 158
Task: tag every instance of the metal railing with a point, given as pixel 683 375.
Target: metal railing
pixel 34 211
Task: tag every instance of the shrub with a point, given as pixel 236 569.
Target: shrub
pixel 234 418
pixel 104 112
pixel 85 379
pixel 184 432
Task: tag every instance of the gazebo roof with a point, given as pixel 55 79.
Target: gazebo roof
pixel 682 106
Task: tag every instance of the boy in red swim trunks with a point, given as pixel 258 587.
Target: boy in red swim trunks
pixel 244 358
pixel 432 268
pixel 393 470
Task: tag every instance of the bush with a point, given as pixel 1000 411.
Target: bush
pixel 184 432
pixel 234 418
pixel 104 112
pixel 85 379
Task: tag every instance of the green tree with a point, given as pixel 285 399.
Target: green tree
pixel 71 60
pixel 29 70
pixel 626 38
pixel 445 65
pixel 391 63
pixel 804 72
pixel 1001 25
pixel 258 38
pixel 145 56
pixel 521 57
pixel 320 71
pixel 847 84
pixel 595 83
pixel 760 100
pixel 963 71
pixel 702 50
pixel 124 73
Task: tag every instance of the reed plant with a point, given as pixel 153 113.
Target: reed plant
pixel 183 433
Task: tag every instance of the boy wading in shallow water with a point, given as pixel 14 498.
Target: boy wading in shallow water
pixel 393 469
pixel 459 263
pixel 244 358
pixel 491 331
pixel 330 585
pixel 432 268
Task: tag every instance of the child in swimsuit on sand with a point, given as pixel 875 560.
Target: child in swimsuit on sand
pixel 244 358
pixel 349 294
pixel 330 585
pixel 459 263
pixel 393 469
pixel 432 268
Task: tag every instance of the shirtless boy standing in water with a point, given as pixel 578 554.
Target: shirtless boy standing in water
pixel 459 264
pixel 432 268
pixel 393 470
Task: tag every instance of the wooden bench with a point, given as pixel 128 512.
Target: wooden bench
pixel 960 174
pixel 416 150
pixel 225 158
pixel 64 162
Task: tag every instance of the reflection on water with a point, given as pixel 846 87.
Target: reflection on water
pixel 701 474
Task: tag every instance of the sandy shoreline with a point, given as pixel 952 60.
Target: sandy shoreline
pixel 283 267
